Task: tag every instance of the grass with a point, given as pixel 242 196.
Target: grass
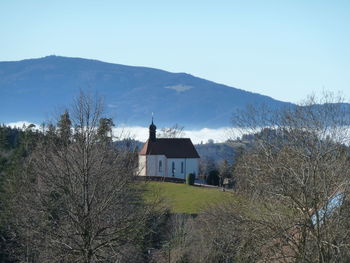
pixel 182 198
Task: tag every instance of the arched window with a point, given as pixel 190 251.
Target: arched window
pixel 160 166
pixel 173 168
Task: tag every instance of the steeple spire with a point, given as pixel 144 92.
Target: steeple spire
pixel 152 131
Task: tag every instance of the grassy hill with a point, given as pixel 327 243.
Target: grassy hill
pixel 182 198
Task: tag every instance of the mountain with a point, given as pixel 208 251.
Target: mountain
pixel 32 89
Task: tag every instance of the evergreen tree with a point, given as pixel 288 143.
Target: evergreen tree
pixel 64 126
pixel 104 131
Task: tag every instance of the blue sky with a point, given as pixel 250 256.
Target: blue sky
pixel 285 49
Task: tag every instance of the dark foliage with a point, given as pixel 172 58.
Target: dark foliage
pixel 190 178
pixel 213 177
pixel 15 145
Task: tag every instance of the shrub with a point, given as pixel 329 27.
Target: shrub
pixel 190 179
pixel 213 177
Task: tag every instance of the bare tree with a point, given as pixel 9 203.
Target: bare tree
pixel 176 131
pixel 225 171
pixel 298 171
pixel 76 200
pixel 293 182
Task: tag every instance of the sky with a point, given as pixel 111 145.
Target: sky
pixel 286 49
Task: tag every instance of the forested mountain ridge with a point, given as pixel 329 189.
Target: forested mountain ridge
pixel 30 90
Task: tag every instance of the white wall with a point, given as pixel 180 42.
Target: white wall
pixel 151 164
pixel 189 166
pixel 192 166
pixel 142 165
pixel 154 161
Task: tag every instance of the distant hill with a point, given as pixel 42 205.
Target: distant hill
pixel 32 89
pixel 218 152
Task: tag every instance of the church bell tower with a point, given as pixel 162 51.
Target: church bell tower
pixel 152 131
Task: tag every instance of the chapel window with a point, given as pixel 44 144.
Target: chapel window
pixel 160 166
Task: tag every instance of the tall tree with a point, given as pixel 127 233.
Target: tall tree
pixel 77 201
pixel 104 131
pixel 64 126
pixel 298 170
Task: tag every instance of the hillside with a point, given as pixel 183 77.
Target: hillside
pixel 182 198
pixel 32 89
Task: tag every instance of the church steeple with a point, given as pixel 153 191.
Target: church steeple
pixel 152 131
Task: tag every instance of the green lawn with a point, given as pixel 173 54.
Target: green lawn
pixel 182 198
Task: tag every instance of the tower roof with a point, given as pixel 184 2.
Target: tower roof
pixel 152 131
pixel 152 126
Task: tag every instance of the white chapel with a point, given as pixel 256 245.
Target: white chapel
pixel 167 157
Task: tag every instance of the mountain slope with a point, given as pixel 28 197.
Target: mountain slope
pixel 32 89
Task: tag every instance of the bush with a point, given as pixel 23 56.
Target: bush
pixel 213 177
pixel 190 179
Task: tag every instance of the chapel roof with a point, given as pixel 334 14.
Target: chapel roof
pixel 170 147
